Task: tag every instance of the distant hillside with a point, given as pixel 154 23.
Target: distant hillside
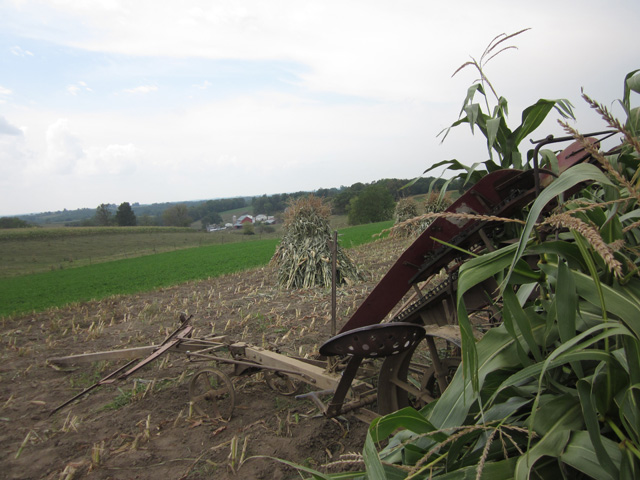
pixel 66 217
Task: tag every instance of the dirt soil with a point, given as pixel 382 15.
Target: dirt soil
pixel 143 427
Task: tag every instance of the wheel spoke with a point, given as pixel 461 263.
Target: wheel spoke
pixel 212 394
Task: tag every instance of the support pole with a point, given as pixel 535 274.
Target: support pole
pixel 334 274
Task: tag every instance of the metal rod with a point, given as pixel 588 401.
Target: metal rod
pixel 97 384
pixel 334 275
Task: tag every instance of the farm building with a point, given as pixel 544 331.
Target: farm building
pixel 242 220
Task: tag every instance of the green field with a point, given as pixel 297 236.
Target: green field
pixel 60 286
pixel 38 250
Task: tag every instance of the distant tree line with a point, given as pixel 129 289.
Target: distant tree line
pixel 171 215
pixel 362 203
pixel 272 204
pixel 13 222
pixel 124 216
pixel 356 201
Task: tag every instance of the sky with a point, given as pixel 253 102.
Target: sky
pixel 111 101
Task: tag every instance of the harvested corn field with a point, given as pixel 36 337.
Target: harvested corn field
pixel 144 428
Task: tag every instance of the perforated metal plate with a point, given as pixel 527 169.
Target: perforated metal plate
pixel 379 340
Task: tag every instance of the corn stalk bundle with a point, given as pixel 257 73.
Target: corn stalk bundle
pixel 406 210
pixel 436 202
pixel 303 258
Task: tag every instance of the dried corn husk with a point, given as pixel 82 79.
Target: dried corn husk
pixel 303 258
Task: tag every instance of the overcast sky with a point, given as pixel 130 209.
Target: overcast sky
pixel 111 101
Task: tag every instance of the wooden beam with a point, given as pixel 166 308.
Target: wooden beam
pixel 185 344
pixel 127 353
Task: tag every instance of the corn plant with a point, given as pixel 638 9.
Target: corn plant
pixel 490 115
pixel 554 391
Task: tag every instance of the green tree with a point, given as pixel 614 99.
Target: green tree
pixel 374 204
pixel 176 216
pixel 125 216
pixel 12 222
pixel 103 215
pixel 248 229
pixel 211 218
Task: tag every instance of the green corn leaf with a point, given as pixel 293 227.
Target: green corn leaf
pixel 471 274
pixel 514 310
pixel 509 325
pixel 472 111
pixel 503 469
pixel 471 92
pixel 496 351
pixel 504 410
pixel 570 178
pixel 316 475
pixel 532 117
pixel 631 84
pixel 372 459
pixel 407 418
pixel 632 357
pixel 575 350
pixel 621 301
pixel 630 412
pixel 493 124
pixel 569 251
pixel 593 427
pixel 566 303
pixel 551 445
pixel 553 422
pixel 555 413
pixel 550 160
pixel 581 455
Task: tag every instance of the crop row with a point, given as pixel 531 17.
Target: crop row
pixel 59 287
pixel 47 233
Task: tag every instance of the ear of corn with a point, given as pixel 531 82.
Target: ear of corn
pixel 303 258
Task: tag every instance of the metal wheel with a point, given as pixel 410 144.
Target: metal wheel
pixel 411 378
pixel 282 383
pixel 212 393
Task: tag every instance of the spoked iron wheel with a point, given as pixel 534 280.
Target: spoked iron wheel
pixel 212 393
pixel 411 379
pixel 282 383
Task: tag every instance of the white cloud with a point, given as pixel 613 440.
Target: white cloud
pixel 204 85
pixel 19 52
pixel 78 87
pixel 7 128
pixel 67 154
pixel 366 48
pixel 112 160
pixel 142 89
pixel 64 149
pixel 14 156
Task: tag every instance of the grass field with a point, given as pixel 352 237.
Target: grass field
pixel 60 286
pixel 28 251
